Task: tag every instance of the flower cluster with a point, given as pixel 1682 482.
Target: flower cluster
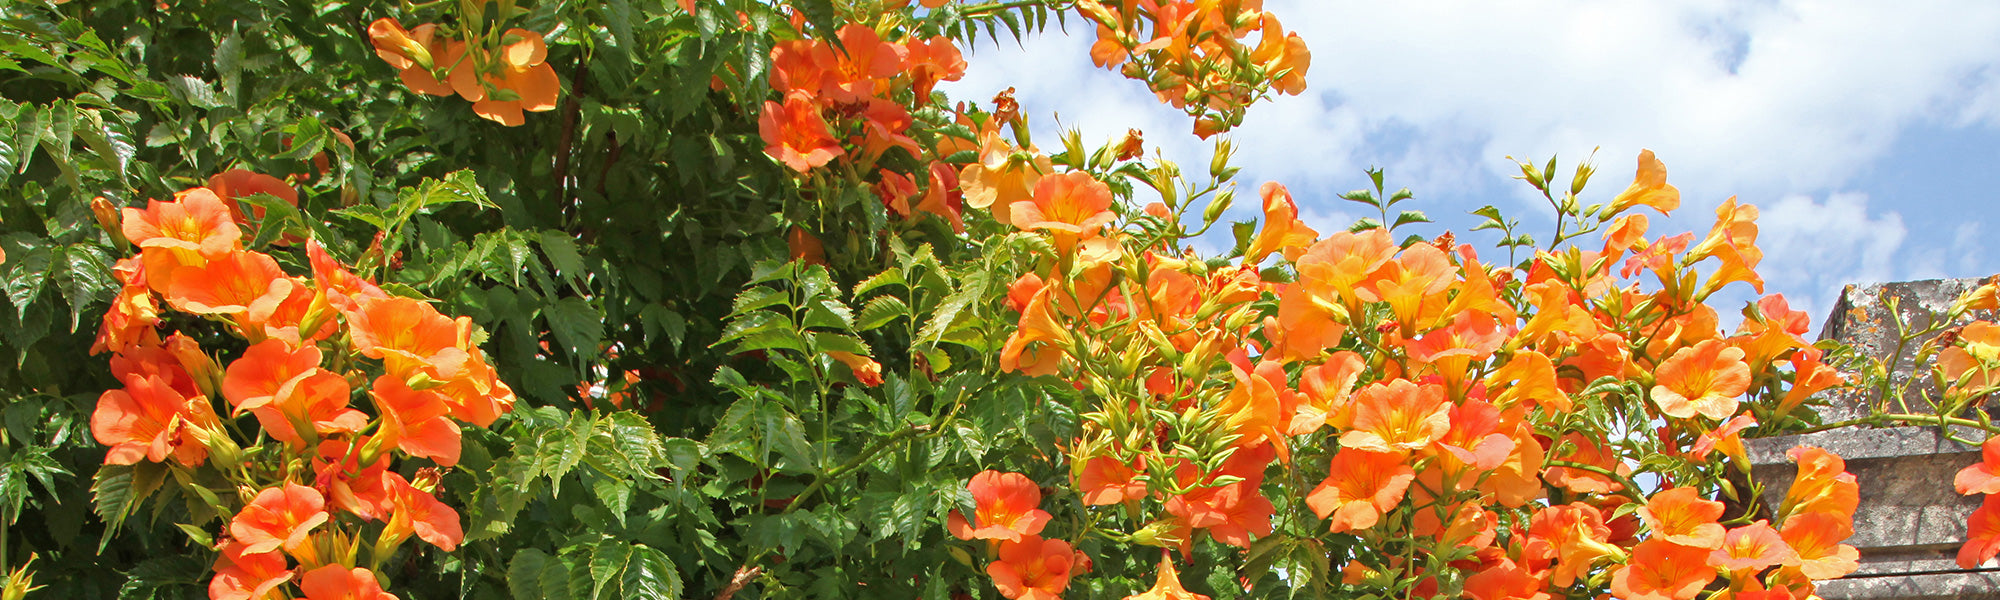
pixel 1010 518
pixel 1484 419
pixel 852 101
pixel 501 75
pixel 1195 55
pixel 305 498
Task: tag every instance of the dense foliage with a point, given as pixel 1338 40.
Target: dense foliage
pixel 723 298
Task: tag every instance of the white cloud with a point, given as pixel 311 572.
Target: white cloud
pixel 1779 101
pixel 1812 248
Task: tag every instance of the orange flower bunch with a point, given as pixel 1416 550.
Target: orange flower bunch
pixel 1010 518
pixel 1196 55
pixel 852 101
pixel 1439 394
pixel 501 75
pixel 1689 549
pixel 1982 541
pixel 306 498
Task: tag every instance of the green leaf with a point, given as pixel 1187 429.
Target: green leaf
pixel 650 575
pixel 882 279
pixel 880 311
pixel 827 341
pixel 30 274
pixel 84 279
pixel 1411 216
pixel 524 574
pixel 828 313
pixel 607 565
pixel 118 489
pixel 194 91
pixel 576 325
pixel 562 253
pixel 759 297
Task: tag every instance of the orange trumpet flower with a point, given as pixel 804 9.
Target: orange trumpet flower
pixel 1398 416
pixel 1661 570
pixel 279 518
pixel 415 421
pixel 1705 379
pixel 1007 508
pixel 243 575
pixel 338 582
pixel 1816 538
pixel 1032 568
pixel 1682 516
pixel 1359 488
pixel 1753 547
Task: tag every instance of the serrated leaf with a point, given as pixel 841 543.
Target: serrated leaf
pixel 562 253
pixel 759 297
pixel 880 311
pixel 85 277
pixel 524 574
pixel 607 566
pixel 827 341
pixel 828 313
pixel 779 338
pixel 1411 216
pixel 650 575
pixel 194 91
pixel 29 274
pixel 878 280
pixel 576 325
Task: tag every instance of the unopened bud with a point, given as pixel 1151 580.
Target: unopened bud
pixel 1220 163
pixel 199 365
pixel 109 219
pixel 1215 207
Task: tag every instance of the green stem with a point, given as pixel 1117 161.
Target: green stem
pixel 1631 490
pixel 859 460
pixel 1881 419
pixel 984 9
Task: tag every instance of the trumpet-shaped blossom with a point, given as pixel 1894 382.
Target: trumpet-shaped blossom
pixel 1007 507
pixel 1982 477
pixel 1705 379
pixel 1682 516
pixel 416 421
pixel 1359 488
pixel 796 135
pixel 1032 568
pixel 243 575
pixel 1816 538
pixel 1167 586
pixel 279 518
pixel 1107 480
pixel 1661 570
pixel 1072 203
pixel 416 511
pixel 1822 485
pixel 1982 535
pixel 266 369
pixel 1752 547
pixel 1399 416
pixel 148 419
pixel 1283 232
pixel 338 582
pixel 195 226
pixel 1649 187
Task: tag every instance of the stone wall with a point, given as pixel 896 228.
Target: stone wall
pixel 1910 522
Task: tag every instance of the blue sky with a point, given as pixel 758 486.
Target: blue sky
pixel 1867 132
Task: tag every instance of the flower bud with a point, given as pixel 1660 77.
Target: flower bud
pixel 1215 207
pixel 199 365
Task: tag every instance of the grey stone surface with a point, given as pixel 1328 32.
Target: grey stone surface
pixel 1910 522
pixel 1908 509
pixel 1863 319
pixel 1970 585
